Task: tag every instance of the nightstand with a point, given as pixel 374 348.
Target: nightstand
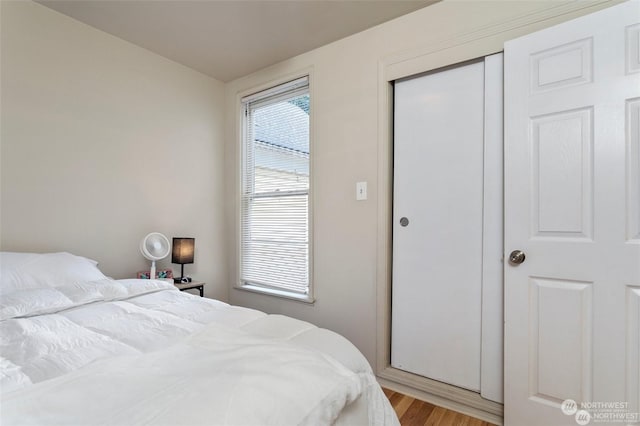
pixel 193 284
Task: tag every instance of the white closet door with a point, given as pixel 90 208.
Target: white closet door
pixel 437 256
pixel 491 360
pixel 572 205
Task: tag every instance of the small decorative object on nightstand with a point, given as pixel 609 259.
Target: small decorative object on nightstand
pixel 160 274
pixel 182 252
pixel 199 285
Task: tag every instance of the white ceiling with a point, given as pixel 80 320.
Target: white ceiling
pixel 227 39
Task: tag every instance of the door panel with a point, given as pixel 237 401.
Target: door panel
pixel 633 348
pixel 572 205
pixel 555 301
pixel 633 170
pixel 563 66
pixel 562 174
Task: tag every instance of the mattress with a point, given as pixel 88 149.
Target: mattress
pixel 142 352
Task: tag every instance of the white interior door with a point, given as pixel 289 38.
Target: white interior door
pixel 572 205
pixel 439 150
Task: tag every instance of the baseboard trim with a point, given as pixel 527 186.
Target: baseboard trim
pixel 441 394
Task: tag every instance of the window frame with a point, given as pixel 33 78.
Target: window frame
pixel 266 92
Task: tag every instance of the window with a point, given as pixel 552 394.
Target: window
pixel 275 191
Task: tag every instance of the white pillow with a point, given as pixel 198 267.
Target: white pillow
pixel 24 271
pixel 32 302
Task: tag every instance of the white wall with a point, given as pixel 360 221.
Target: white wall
pixel 102 142
pixel 349 97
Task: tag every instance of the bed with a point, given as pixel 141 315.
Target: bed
pixel 79 348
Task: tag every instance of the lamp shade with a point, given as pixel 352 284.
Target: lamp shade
pixel 183 249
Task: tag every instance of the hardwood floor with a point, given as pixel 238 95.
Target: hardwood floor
pixel 413 412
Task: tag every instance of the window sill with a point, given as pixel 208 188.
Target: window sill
pixel 305 298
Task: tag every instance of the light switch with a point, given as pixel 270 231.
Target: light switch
pixel 361 191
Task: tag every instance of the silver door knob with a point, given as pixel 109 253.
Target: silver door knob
pixel 516 257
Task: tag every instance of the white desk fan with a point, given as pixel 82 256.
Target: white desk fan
pixel 155 246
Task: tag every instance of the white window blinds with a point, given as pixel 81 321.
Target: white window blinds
pixel 275 190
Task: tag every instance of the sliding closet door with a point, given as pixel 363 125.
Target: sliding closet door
pixel 491 360
pixel 437 230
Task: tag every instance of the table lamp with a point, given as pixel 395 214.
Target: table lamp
pixel 182 252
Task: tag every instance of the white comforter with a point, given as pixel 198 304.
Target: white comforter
pixel 141 352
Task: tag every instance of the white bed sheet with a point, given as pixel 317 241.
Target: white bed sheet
pixel 149 318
